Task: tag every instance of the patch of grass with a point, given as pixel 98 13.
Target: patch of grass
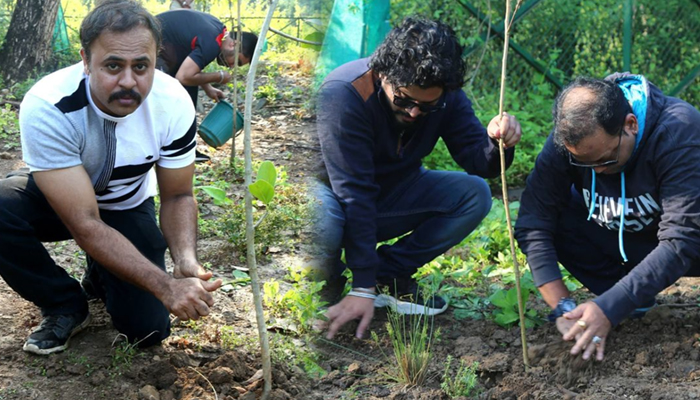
pixel 294 351
pixel 77 359
pixel 412 338
pixel 461 382
pixel 123 354
pixel 232 340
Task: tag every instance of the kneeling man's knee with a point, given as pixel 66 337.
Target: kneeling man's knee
pixel 476 198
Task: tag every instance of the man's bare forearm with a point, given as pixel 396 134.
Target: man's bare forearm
pixel 178 221
pixel 119 256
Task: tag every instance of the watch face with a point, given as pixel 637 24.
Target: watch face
pixel 567 305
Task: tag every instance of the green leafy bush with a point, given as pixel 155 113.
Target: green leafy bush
pixel 302 302
pixel 506 313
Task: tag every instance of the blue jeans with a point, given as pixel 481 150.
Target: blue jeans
pixel 438 208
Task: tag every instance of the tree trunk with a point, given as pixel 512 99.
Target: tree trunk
pixel 28 44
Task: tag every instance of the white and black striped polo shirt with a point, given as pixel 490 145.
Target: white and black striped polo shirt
pixel 61 127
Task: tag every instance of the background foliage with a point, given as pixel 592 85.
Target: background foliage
pixel 566 39
pixel 298 18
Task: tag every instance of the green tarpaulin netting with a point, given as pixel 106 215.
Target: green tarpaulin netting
pixel 355 30
pixel 60 33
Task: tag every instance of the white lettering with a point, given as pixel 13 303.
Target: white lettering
pixel 640 211
pixel 649 203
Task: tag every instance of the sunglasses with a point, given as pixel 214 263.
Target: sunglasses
pixel 576 163
pixel 408 105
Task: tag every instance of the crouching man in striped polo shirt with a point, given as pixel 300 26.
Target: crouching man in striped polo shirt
pixel 91 134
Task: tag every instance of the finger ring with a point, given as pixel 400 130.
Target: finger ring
pixel 582 324
pixel 596 340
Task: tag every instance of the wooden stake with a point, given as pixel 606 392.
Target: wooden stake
pixel 250 229
pixel 504 183
pixel 235 82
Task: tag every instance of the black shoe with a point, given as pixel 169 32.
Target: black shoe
pixel 404 296
pixel 201 157
pixel 55 332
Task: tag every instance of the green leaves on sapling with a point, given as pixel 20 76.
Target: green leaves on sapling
pixel 263 188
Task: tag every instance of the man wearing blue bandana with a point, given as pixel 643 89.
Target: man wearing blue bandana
pixel 615 198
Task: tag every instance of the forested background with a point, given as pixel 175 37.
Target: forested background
pixel 305 19
pixel 552 42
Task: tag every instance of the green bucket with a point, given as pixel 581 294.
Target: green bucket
pixel 217 127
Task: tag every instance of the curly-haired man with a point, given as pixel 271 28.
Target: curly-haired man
pixel 378 118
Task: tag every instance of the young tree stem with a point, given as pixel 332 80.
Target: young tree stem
pixel 504 184
pixel 250 228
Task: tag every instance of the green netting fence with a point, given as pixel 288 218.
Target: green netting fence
pixel 60 33
pixel 356 28
pixel 554 41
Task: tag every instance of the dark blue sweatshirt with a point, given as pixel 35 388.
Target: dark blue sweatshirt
pixel 662 197
pixel 366 153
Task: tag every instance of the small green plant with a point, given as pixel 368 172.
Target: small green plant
pixel 19 89
pixel 302 302
pixel 278 222
pixel 460 383
pixel 232 340
pixel 269 92
pixel 263 188
pixel 507 312
pixel 294 351
pixel 470 307
pixel 239 279
pixel 123 354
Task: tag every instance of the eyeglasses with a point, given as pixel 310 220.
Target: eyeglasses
pixel 408 105
pixel 575 163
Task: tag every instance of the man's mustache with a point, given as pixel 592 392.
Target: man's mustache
pixel 125 94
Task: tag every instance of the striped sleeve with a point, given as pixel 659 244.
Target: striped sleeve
pixel 178 148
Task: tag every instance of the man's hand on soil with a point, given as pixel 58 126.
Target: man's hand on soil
pixel 564 325
pixel 190 298
pixel 350 308
pixel 587 322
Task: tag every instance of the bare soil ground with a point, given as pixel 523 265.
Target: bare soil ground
pixel 656 357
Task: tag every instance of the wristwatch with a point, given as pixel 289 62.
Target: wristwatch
pixel 564 305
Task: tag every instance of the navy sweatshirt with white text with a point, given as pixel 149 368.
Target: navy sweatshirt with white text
pixel 662 196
